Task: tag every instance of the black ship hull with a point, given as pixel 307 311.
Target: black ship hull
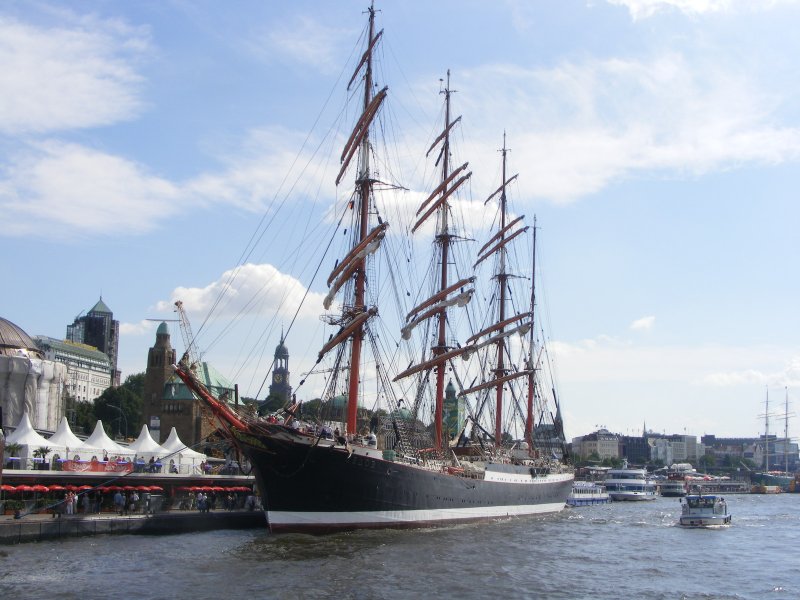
pixel 313 486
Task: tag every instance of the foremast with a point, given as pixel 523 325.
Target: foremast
pixel 364 193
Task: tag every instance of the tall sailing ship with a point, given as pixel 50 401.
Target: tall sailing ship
pixel 313 479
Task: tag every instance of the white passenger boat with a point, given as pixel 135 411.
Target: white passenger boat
pixel 630 484
pixel 585 493
pixel 704 511
pixel 675 488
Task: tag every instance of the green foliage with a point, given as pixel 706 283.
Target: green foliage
pixel 120 408
pixel 271 404
pixel 41 452
pixel 13 449
pixel 707 460
pixel 84 418
pixel 135 383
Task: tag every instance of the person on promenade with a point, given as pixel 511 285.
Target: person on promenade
pixel 119 502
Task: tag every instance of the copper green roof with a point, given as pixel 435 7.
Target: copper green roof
pixel 162 329
pixel 100 307
pixel 175 389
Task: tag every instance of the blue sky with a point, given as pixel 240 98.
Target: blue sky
pixel 657 141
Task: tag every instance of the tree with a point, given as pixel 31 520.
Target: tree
pixel 84 417
pixel 120 408
pixel 707 460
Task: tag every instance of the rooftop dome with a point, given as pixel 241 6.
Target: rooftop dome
pixel 13 339
pixel 162 329
pixel 281 351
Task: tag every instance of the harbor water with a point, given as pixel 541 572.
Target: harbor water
pixel 620 550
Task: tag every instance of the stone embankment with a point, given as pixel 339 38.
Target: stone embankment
pixel 37 527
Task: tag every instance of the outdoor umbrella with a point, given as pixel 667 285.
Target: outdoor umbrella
pixel 8 488
pixel 56 488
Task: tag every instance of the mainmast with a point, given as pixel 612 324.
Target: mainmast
pixel 443 239
pixel 501 316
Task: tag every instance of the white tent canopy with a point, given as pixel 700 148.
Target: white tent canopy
pixel 99 439
pixel 145 446
pixel 64 437
pixel 66 442
pixel 180 452
pixel 28 439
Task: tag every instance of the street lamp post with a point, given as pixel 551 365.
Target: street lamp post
pixel 124 418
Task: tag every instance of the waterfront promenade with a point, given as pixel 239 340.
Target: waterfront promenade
pixel 42 527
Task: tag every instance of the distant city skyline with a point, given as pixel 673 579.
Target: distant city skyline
pixel 657 143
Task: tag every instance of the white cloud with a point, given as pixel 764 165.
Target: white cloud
pixel 577 127
pixel 643 9
pixel 610 359
pixel 304 41
pixel 788 376
pixel 643 324
pixel 64 190
pixel 141 328
pixel 257 289
pixel 64 78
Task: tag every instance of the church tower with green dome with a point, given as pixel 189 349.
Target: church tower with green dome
pixel 280 388
pixel 454 412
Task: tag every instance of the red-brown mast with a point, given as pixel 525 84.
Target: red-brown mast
pixel 531 365
pixel 364 184
pixel 443 238
pixel 501 282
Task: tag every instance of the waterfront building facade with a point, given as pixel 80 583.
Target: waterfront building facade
pixel 671 449
pixel 602 443
pixel 99 329
pixel 88 369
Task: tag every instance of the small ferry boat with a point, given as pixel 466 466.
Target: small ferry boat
pixel 704 511
pixel 674 488
pixel 630 484
pixel 585 493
